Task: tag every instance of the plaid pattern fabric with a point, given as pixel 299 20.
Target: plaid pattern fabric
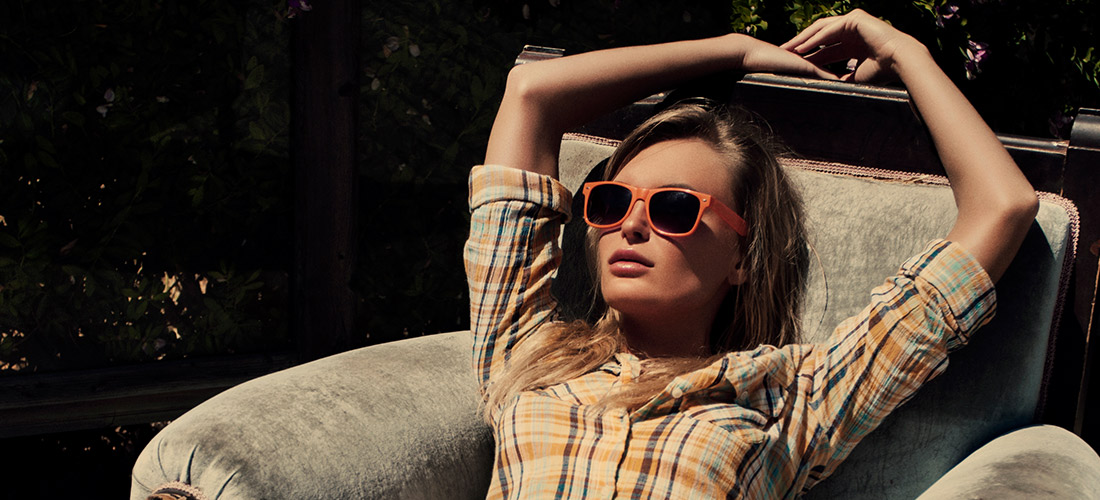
pixel 767 423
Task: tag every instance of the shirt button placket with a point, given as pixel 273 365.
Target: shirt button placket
pixel 620 419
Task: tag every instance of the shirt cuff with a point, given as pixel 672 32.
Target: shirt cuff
pixel 492 183
pixel 957 285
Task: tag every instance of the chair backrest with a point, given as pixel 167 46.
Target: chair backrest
pixel 863 224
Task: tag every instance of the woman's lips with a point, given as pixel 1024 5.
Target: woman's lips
pixel 628 264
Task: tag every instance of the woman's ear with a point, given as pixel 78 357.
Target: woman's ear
pixel 739 271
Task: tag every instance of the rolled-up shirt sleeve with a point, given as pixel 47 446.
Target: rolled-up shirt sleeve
pixel 878 358
pixel 511 256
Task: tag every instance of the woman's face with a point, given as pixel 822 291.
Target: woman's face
pixel 653 278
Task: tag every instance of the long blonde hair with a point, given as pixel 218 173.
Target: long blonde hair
pixel 763 310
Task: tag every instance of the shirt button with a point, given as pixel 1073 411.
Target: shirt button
pixel 677 392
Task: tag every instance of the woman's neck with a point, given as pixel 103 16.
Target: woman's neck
pixel 680 337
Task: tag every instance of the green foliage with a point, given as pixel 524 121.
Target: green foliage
pixel 745 17
pixel 144 179
pixel 803 14
pixel 752 17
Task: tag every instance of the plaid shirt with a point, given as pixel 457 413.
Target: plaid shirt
pixel 767 423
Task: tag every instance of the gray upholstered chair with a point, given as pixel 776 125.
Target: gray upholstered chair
pixel 400 420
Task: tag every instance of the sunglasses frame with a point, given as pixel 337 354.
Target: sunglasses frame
pixel 731 218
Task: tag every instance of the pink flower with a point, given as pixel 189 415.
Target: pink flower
pixel 946 14
pixel 975 53
pixel 296 6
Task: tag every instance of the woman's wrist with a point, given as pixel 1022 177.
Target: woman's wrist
pixel 738 46
pixel 910 56
pixel 753 55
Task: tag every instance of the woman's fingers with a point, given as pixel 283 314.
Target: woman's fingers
pixel 801 43
pixel 869 71
pixel 791 63
pixel 857 29
pixel 827 32
pixel 831 54
pixel 855 35
pixel 807 69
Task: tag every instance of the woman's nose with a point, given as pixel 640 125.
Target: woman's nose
pixel 636 225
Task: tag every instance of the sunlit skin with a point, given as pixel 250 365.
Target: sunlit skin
pixel 667 289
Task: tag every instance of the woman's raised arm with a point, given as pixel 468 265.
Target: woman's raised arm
pixel 996 203
pixel 545 99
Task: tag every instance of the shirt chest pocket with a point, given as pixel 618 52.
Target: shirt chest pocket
pixel 742 423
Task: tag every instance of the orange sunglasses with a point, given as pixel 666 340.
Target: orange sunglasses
pixel 671 211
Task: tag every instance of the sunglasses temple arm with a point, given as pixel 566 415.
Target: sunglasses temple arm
pixel 730 217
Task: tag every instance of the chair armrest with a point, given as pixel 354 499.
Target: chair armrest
pixel 395 420
pixel 1035 462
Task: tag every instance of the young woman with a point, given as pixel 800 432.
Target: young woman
pixel 693 383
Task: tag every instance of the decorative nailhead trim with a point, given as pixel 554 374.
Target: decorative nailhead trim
pixel 602 141
pixel 1063 288
pixel 177 490
pixel 864 172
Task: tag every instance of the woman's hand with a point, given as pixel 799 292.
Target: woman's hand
pixel 760 56
pixel 996 204
pixel 874 45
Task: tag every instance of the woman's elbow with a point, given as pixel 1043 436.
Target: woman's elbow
pixel 1008 209
pixel 1022 209
pixel 524 85
pixel 1000 220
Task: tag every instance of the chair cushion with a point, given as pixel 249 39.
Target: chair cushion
pixel 1036 462
pixel 396 420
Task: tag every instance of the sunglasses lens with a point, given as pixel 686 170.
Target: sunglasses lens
pixel 674 211
pixel 607 204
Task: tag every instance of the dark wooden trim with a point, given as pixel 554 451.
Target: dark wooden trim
pixel 324 100
pixel 532 53
pixel 872 126
pixel 108 397
pixel 1082 180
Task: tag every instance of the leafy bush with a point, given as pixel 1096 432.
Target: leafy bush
pixel 144 148
pixel 144 178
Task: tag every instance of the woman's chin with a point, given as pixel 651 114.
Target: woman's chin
pixel 632 301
